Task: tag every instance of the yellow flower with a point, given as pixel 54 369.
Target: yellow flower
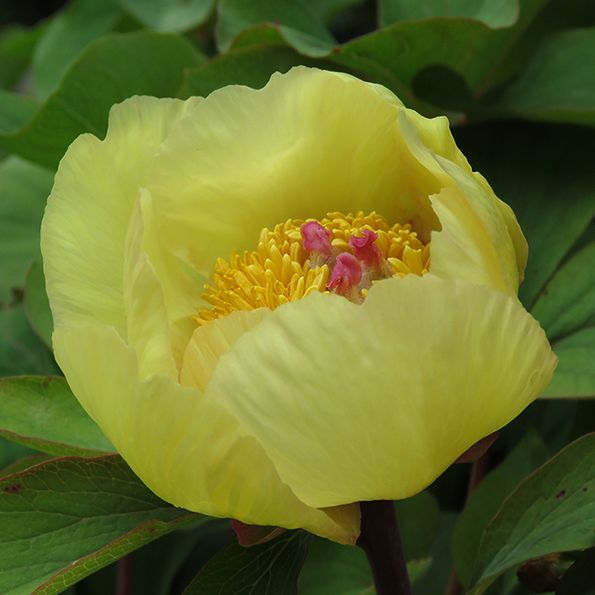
pixel 371 383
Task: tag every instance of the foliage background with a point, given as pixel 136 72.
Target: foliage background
pixel 516 79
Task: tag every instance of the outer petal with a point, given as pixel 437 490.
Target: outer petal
pixel 85 225
pixel 308 143
pixel 375 401
pixel 187 449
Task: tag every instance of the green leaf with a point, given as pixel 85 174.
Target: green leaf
pixel 21 350
pixel 66 518
pixel 485 501
pixel 16 49
pixel 579 579
pixel 43 413
pixel 250 66
pixel 68 33
pixel 567 303
pixel 298 23
pixel 545 173
pixel 10 453
pixel 419 522
pixel 558 84
pixel 15 110
pixel 174 15
pixel 271 568
pixel 483 56
pixel 575 375
pixel 494 13
pixel 100 77
pixel 25 188
pixel 551 511
pixel 37 305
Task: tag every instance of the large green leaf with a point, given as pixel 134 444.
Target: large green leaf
pixel 44 414
pixel 37 304
pixel 299 24
pixel 545 173
pixel 494 13
pixel 25 188
pixel 21 350
pixel 176 15
pixel 153 65
pixel 15 110
pixel 68 33
pixel 485 501
pixel 66 518
pixel 559 82
pixel 575 375
pixel 16 49
pixel 552 510
pixel 271 568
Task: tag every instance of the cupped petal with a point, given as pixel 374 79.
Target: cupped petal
pixel 86 219
pixel 309 143
pixel 187 449
pixel 375 401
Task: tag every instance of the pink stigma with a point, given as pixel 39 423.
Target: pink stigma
pixel 346 275
pixel 316 237
pixel 364 248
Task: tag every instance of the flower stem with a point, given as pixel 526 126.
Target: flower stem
pixel 381 541
pixel 124 575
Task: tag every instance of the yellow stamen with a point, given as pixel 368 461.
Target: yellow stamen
pixel 279 270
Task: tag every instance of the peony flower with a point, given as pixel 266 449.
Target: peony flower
pixel 278 303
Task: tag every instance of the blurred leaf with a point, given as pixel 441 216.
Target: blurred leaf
pixel 15 110
pixel 545 173
pixel 21 350
pixel 10 453
pixel 484 502
pixel 579 579
pixel 551 511
pixel 25 188
pixel 494 13
pixel 43 413
pixel 251 66
pixel 559 82
pixel 68 33
pixel 394 55
pixel 66 518
pixel 16 49
pixel 271 568
pixel 99 78
pixel 37 305
pixel 575 375
pixel 26 461
pixel 169 15
pixel 567 303
pixel 301 26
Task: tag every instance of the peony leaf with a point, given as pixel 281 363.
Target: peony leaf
pixel 25 188
pixel 66 518
pixel 578 579
pixel 15 110
pixel 180 15
pixel 485 501
pixel 558 84
pixel 271 568
pixel 494 13
pixel 96 80
pixel 575 375
pixel 297 21
pixel 37 305
pixel 43 413
pixel 551 511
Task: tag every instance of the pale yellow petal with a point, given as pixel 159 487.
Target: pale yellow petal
pixel 307 144
pixel 186 448
pixel 210 342
pixel 375 401
pixel 86 219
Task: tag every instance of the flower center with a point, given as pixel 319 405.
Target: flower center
pixel 343 254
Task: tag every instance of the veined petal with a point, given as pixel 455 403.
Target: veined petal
pixel 86 219
pixel 307 144
pixel 186 448
pixel 375 401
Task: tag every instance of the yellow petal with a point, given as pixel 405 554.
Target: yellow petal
pixel 86 220
pixel 307 144
pixel 185 448
pixel 375 401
